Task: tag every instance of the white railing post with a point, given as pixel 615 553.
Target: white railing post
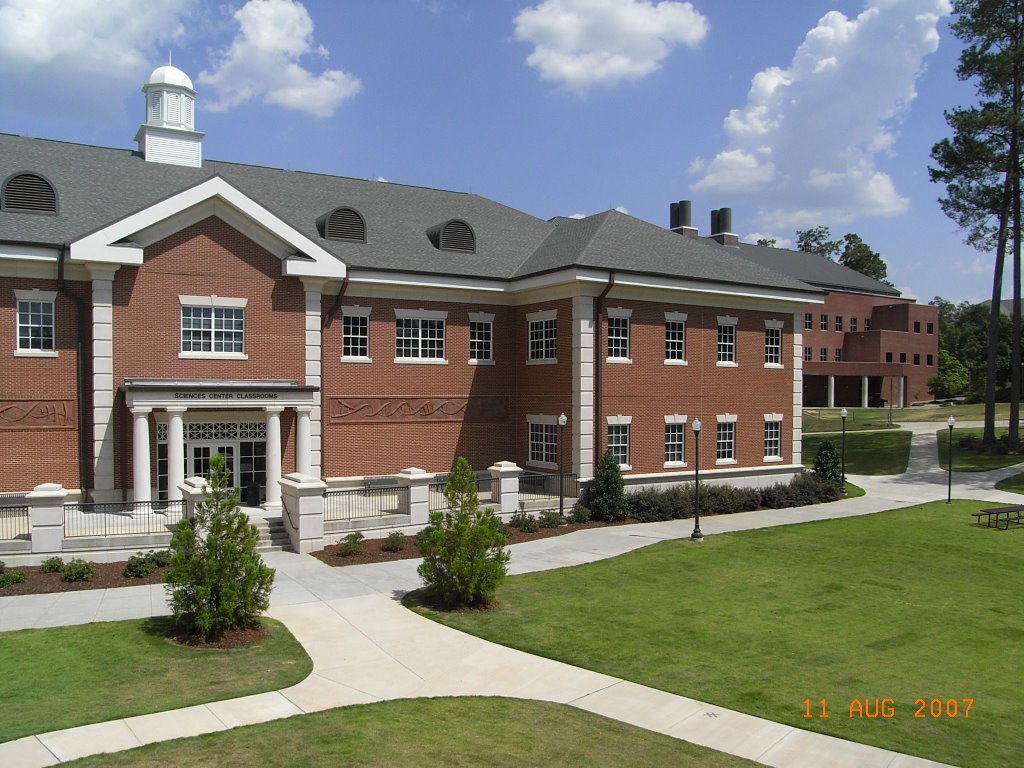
pixel 46 517
pixel 302 511
pixel 416 502
pixel 505 474
pixel 192 491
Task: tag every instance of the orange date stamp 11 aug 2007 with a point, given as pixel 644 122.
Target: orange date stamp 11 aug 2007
pixel 885 708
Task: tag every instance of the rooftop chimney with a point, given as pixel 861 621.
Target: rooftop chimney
pixel 721 224
pixel 679 219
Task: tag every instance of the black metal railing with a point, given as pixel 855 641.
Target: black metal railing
pixel 539 487
pixel 119 518
pixel 357 503
pixel 14 522
pixel 486 490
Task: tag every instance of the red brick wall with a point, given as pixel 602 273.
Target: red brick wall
pixel 648 390
pixel 207 258
pixel 39 453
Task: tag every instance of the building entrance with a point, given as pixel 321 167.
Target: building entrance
pixel 246 459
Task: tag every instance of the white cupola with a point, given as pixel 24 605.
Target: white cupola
pixel 169 135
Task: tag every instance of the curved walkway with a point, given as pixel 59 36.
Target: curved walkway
pixel 366 647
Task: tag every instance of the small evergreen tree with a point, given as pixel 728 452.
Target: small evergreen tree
pixel 826 464
pixel 606 495
pixel 464 559
pixel 216 579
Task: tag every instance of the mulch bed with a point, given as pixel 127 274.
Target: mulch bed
pixel 109 575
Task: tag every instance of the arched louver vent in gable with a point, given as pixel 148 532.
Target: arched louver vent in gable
pixel 28 193
pixel 343 224
pixel 453 235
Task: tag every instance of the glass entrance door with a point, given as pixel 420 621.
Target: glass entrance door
pixel 199 459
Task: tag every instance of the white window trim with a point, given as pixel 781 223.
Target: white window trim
pixel 727 418
pixel 677 418
pixel 678 317
pixel 733 321
pixel 774 417
pixel 424 314
pixel 483 317
pixel 356 311
pixel 622 421
pixel 622 313
pixel 536 317
pixel 216 302
pixel 778 325
pixel 35 294
pixel 540 418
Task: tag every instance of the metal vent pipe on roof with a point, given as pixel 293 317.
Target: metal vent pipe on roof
pixel 725 220
pixel 714 223
pixel 680 214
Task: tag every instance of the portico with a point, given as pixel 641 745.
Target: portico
pixel 241 420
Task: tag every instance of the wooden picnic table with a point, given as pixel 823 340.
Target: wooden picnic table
pixel 1000 517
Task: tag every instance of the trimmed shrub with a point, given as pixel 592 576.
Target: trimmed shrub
pixel 393 542
pixel 217 581
pixel 549 518
pixel 606 494
pixel 524 521
pixel 827 466
pixel 351 545
pixel 464 559
pixel 580 513
pixel 77 570
pixel 7 578
pixel 3 567
pixel 141 565
pixel 52 565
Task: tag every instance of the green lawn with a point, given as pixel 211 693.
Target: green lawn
pixel 828 419
pixel 972 461
pixel 431 733
pixel 908 604
pixel 1013 484
pixel 867 453
pixel 68 676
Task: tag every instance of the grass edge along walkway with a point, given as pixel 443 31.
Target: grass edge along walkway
pixel 769 622
pixel 867 453
pixel 90 673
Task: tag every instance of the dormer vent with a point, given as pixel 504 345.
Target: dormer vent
pixel 343 224
pixel 453 235
pixel 28 193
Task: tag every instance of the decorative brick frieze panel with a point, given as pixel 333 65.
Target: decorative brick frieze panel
pixel 37 414
pixel 351 410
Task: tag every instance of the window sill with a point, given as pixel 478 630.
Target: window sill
pixel 723 462
pixel 619 360
pixel 36 353
pixel 542 464
pixel 674 464
pixel 212 356
pixel 357 359
pixel 772 459
pixel 625 468
pixel 543 361
pixel 775 366
pixel 421 360
pixel 472 361
pixel 676 362
pixel 727 364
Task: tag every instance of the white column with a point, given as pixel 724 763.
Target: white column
pixel 273 456
pixel 175 453
pixel 831 391
pixel 303 447
pixel 899 397
pixel 102 276
pixel 141 485
pixel 314 288
pixel 582 420
pixel 863 391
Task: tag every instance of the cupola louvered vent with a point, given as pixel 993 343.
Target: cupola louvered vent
pixel 454 235
pixel 28 193
pixel 343 224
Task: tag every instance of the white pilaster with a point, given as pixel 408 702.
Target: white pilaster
pixel 141 485
pixel 831 391
pixel 273 456
pixel 798 388
pixel 102 276
pixel 863 391
pixel 175 452
pixel 314 373
pixel 583 386
pixel 303 463
pixel 900 392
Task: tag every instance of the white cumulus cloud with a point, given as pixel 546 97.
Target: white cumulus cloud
pixel 264 62
pixel 585 43
pixel 809 138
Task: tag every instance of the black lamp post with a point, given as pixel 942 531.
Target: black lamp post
pixel 562 421
pixel 843 414
pixel 949 486
pixel 696 535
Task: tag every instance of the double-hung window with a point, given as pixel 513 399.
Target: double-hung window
pixel 725 439
pixel 773 343
pixel 808 321
pixel 212 326
pixel 543 336
pixel 675 338
pixel 618 439
pixel 481 338
pixel 727 340
pixel 824 323
pixel 36 327
pixel 543 445
pixel 773 437
pixel 419 336
pixel 618 334
pixel 355 334
pixel 853 325
pixel 808 353
pixel 839 322
pixel 675 439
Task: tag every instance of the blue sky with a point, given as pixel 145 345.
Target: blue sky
pixel 793 113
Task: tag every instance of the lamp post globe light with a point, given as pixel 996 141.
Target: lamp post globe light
pixel 949 461
pixel 696 535
pixel 562 421
pixel 843 414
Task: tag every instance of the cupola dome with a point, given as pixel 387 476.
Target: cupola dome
pixel 169 135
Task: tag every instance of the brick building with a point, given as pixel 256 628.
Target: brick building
pixel 156 307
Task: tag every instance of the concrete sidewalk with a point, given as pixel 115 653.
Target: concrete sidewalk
pixel 366 647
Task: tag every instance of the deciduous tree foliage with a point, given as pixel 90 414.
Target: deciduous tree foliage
pixel 851 251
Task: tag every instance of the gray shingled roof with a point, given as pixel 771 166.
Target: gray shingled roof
pixel 96 186
pixel 814 269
